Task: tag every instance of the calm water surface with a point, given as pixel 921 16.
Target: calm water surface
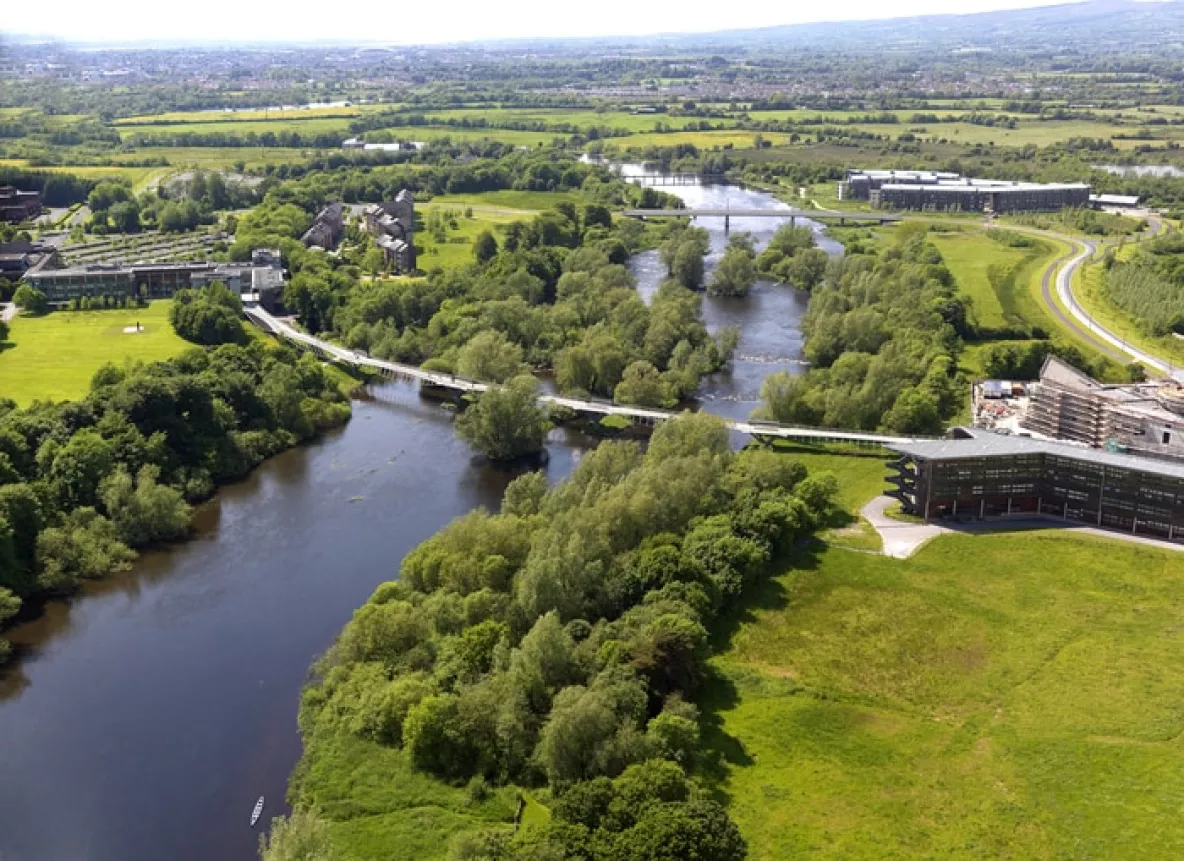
pixel 146 715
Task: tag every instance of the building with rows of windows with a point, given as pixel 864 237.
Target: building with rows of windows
pixel 981 474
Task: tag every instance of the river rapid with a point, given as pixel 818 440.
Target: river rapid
pixel 144 716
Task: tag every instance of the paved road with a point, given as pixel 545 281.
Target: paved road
pixel 1074 317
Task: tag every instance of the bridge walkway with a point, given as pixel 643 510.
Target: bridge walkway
pixel 591 406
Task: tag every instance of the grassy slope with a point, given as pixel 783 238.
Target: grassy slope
pixel 53 357
pixel 995 696
pixel 1089 288
pixel 993 275
pixel 381 809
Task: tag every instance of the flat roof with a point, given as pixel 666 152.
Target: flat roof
pixel 984 443
pixel 987 185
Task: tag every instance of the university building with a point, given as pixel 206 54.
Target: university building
pixel 261 280
pixel 981 474
pixel 946 192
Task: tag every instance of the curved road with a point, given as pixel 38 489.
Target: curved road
pixel 1078 320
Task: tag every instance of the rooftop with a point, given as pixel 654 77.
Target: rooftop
pixel 975 443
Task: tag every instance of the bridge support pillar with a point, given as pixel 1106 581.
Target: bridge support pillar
pixel 727 224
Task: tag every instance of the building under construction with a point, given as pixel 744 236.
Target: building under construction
pixel 1142 418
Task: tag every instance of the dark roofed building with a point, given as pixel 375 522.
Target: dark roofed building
pixel 17 205
pixel 327 228
pixel 982 474
pixel 392 223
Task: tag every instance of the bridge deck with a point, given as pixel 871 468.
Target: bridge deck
pixel 816 214
pixel 649 415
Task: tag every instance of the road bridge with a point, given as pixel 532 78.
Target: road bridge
pixel 655 179
pixel 585 406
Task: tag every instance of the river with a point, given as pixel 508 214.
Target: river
pixel 145 716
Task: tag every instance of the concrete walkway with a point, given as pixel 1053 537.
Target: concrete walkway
pixel 901 540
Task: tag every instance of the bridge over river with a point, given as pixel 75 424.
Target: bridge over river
pixel 792 214
pixel 593 406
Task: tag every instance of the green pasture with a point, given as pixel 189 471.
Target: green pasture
pixel 303 125
pixel 507 136
pixel 996 696
pixel 737 139
pixel 580 118
pixel 53 357
pixel 186 117
pixel 489 211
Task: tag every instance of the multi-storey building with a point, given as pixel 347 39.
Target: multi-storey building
pixel 392 223
pixel 980 474
pixel 949 192
pixel 327 228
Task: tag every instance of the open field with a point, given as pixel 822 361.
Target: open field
pixel 581 118
pixel 490 211
pixel 703 140
pixel 994 277
pixel 52 358
pixel 995 696
pixel 321 112
pixel 305 125
pixel 508 136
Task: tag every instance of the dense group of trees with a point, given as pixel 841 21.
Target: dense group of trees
pixel 792 257
pixel 1150 286
pixel 82 484
pixel 883 335
pixel 560 642
pixel 175 208
pixel 208 315
pixel 555 295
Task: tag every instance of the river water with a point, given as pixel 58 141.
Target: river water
pixel 145 716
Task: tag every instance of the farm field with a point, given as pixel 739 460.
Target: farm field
pixel 53 358
pixel 994 696
pixel 429 133
pixel 582 118
pixel 703 140
pixel 321 112
pixel 304 125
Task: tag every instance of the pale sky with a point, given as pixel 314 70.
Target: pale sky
pixel 435 21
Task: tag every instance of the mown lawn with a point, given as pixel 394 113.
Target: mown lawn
pixel 456 251
pixel 52 358
pixel 996 696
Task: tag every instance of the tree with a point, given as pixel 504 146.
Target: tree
pixel 506 422
pixel 643 385
pixel 3 331
pixel 736 271
pixel 209 315
pixel 303 836
pixel 687 267
pixel 144 510
pixel 9 605
pixel 85 546
pixel 484 247
pixel 490 356
pixel 124 217
pixel 30 300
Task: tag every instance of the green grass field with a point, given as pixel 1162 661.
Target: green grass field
pixel 379 808
pixel 996 696
pixel 304 125
pixel 995 277
pixel 53 358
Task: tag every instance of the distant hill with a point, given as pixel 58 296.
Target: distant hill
pixel 1066 28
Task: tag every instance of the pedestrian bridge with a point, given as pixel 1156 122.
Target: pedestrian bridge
pixel 592 406
pixel 791 214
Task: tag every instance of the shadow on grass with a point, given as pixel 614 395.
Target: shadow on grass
pixel 720 752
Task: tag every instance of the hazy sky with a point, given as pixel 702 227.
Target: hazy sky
pixel 419 22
